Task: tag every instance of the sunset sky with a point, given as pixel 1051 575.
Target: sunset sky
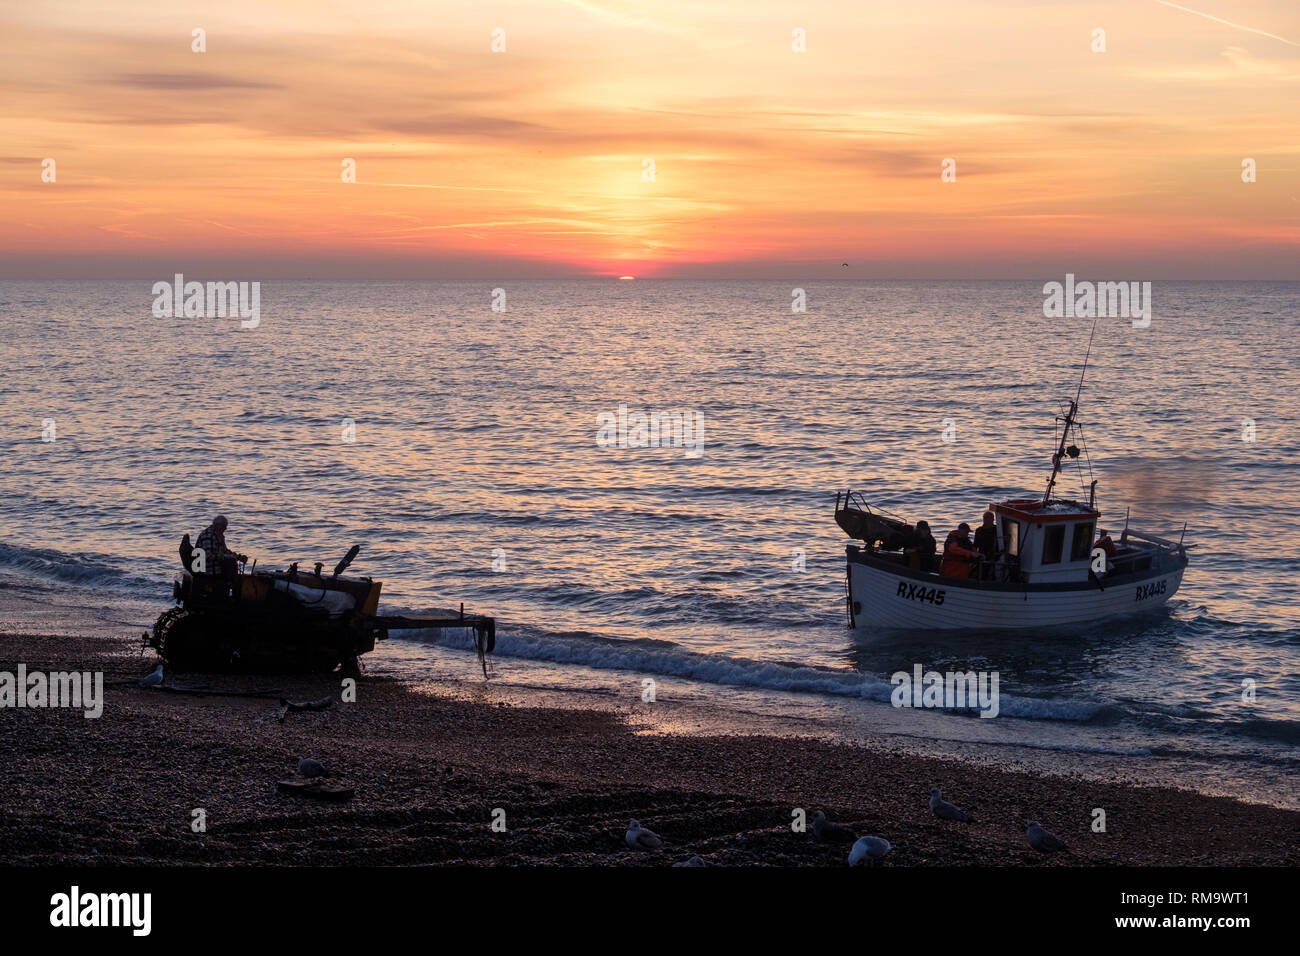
pixel 768 162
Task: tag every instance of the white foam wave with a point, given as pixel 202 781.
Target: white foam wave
pixel 674 661
pixel 90 570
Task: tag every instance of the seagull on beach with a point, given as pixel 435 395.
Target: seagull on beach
pixel 153 680
pixel 824 831
pixel 868 848
pixel 944 810
pixel 693 861
pixel 639 838
pixel 311 768
pixel 1044 841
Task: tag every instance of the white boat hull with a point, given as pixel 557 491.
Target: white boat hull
pixel 881 596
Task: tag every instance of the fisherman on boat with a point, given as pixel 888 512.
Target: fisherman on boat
pixel 986 543
pixel 218 558
pixel 1105 543
pixel 921 553
pixel 1108 548
pixel 959 553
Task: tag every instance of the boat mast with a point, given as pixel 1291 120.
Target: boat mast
pixel 1061 450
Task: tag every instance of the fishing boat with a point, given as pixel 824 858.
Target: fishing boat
pixel 1053 567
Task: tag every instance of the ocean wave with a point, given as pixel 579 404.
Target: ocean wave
pixel 88 568
pixel 666 659
pixel 1283 731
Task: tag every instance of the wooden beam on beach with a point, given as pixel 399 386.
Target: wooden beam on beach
pixel 485 628
pixel 397 622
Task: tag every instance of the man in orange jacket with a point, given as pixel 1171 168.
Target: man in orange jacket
pixel 959 554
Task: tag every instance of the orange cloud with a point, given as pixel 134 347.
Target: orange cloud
pixel 535 159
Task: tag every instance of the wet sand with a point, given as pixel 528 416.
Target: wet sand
pixel 429 771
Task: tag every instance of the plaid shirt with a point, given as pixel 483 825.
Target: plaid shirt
pixel 213 543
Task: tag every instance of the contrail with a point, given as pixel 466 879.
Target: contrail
pixel 1238 26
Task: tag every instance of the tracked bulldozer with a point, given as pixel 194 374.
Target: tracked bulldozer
pixel 287 621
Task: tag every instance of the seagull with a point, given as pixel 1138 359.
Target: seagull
pixel 824 831
pixel 1044 841
pixel 693 861
pixel 311 768
pixel 869 847
pixel 944 810
pixel 153 680
pixel 639 838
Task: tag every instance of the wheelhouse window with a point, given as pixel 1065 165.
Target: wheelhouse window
pixel 1011 537
pixel 1081 546
pixel 1053 541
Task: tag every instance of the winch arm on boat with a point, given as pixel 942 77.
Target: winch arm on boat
pixel 859 520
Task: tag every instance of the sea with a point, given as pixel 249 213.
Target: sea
pixel 460 433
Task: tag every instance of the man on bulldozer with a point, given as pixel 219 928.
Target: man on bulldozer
pixel 217 558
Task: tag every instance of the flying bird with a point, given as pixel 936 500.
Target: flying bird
pixel 868 848
pixel 944 810
pixel 639 838
pixel 824 831
pixel 1044 841
pixel 153 680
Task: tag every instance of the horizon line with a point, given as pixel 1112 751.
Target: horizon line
pixel 605 277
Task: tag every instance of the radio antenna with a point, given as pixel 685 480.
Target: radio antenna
pixel 1087 355
pixel 1062 450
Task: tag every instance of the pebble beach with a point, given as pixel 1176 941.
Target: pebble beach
pixel 432 774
